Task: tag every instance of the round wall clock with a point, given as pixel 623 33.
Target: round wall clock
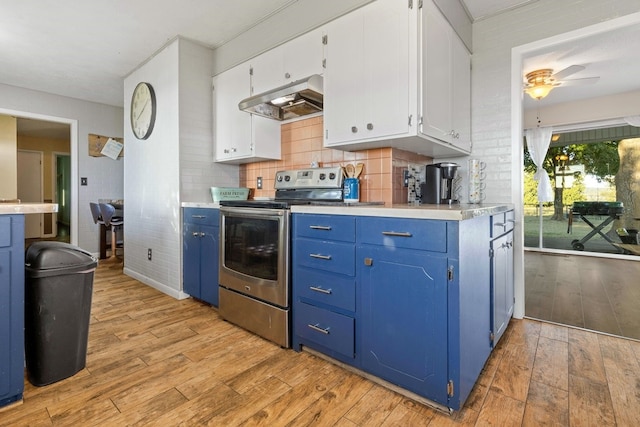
pixel 143 110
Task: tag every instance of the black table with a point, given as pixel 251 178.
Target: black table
pixel 612 211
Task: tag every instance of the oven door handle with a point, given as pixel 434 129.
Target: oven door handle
pixel 319 256
pixel 316 327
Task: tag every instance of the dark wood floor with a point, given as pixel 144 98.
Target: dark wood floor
pixel 600 294
pixel 156 361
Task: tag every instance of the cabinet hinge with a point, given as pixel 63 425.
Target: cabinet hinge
pixel 326 134
pixel 410 4
pixel 251 71
pixel 325 39
pixel 410 119
pixel 450 273
pixel 324 63
pixel 490 252
pixel 450 388
pixel 491 336
pixel 419 4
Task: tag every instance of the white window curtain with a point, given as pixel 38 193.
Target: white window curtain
pixel 538 140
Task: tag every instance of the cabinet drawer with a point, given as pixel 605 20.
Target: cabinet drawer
pixel 332 330
pixel 427 235
pixel 328 256
pixel 328 227
pixel 501 223
pixel 325 288
pixel 206 216
pixel 5 231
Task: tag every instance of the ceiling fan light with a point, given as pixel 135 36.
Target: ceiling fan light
pixel 539 91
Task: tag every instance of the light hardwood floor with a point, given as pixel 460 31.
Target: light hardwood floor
pixel 153 360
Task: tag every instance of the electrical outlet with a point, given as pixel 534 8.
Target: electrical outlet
pixel 406 178
pixel 259 183
pixel 149 254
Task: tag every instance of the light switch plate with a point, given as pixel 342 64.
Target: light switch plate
pixel 83 181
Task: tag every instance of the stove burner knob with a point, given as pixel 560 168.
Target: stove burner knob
pixel 332 176
pixel 322 177
pixel 287 178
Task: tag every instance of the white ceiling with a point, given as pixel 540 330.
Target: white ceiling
pixel 84 49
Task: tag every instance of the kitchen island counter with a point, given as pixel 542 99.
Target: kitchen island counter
pixel 457 212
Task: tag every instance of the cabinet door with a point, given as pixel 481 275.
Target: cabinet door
pixel 403 303
pixel 367 74
pixel 461 95
pixel 343 82
pixel 191 259
pixel 502 284
pixel 267 71
pixel 436 69
pixel 385 99
pixel 232 127
pixel 209 239
pixel 303 56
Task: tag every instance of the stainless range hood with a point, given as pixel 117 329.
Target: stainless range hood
pixel 292 100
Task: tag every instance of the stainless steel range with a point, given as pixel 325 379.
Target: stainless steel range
pixel 254 251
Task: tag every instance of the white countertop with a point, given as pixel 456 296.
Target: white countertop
pixel 458 212
pixel 27 208
pixel 210 205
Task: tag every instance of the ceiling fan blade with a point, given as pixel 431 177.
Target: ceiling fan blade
pixel 579 82
pixel 572 69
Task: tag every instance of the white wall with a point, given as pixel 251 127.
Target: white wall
pixel 105 176
pixel 174 165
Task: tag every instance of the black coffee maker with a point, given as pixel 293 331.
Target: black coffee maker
pixel 438 186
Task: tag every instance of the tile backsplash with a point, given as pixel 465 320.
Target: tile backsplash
pixel 382 178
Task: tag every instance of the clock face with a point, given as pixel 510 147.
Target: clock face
pixel 143 110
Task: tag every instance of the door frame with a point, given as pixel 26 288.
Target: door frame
pixel 73 126
pixel 518 54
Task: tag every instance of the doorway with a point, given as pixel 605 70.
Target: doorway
pixel 519 55
pixel 72 131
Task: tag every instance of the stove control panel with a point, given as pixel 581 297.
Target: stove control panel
pixel 309 178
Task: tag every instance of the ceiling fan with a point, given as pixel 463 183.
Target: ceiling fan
pixel 541 82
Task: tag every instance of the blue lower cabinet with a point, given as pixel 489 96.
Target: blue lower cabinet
pixel 403 319
pixel 200 240
pixel 11 308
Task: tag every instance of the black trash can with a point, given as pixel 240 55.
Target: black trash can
pixel 58 290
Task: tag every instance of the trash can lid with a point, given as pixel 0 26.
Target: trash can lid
pixel 55 256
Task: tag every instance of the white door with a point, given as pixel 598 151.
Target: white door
pixel 30 189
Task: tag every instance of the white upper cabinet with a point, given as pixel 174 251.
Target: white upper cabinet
pixel 397 75
pixel 294 60
pixel 240 137
pixel 446 93
pixel 367 75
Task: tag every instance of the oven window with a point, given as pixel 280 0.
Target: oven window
pixel 251 246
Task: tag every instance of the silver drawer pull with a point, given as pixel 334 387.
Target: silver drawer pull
pixel 323 291
pixel 319 329
pixel 397 233
pixel 499 224
pixel 198 216
pixel 327 257
pixel 513 221
pixel 320 227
